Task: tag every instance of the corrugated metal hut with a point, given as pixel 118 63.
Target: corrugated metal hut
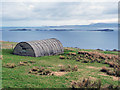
pixel 39 48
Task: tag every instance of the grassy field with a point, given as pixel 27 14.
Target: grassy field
pixel 19 76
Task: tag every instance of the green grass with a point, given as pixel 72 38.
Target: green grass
pixel 18 77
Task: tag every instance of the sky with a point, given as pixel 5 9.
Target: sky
pixel 57 13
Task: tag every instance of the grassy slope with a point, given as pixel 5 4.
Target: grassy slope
pixel 18 77
pixel 8 45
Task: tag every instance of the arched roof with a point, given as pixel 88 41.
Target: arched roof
pixel 43 47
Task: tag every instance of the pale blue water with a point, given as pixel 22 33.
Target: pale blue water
pixel 80 39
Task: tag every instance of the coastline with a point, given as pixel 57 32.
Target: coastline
pixel 24 29
pixel 12 44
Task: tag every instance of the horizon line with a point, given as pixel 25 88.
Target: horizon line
pixel 63 25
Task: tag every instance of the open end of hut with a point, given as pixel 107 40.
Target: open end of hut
pixel 24 49
pixel 39 48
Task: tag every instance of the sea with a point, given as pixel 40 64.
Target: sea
pixel 106 40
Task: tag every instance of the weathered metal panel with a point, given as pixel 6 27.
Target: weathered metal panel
pixel 56 47
pixel 22 49
pixel 46 42
pixel 52 48
pixel 45 47
pixel 55 50
pixel 60 45
pixel 39 48
pixel 34 48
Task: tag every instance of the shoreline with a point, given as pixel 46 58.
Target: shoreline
pixel 115 50
pixel 24 29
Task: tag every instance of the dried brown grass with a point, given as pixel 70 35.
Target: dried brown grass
pixel 10 65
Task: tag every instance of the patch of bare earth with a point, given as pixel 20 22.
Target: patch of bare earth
pixel 60 65
pixel 92 78
pixel 59 73
pixel 114 78
pixel 91 67
pixel 103 74
pixel 80 70
pixel 50 67
pixel 92 73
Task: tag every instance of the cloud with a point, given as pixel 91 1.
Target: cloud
pixel 59 0
pixel 15 11
pixel 57 13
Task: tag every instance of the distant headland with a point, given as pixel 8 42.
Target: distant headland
pixel 107 30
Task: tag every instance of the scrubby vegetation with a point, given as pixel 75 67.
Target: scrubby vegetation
pixel 88 83
pixel 40 71
pixel 91 57
pixel 111 71
pixel 10 65
pixel 69 68
pixel 61 57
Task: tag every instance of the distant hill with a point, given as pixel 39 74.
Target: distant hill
pixel 104 25
pixel 73 26
pixel 93 26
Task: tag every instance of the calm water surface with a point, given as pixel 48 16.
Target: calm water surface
pixel 80 39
